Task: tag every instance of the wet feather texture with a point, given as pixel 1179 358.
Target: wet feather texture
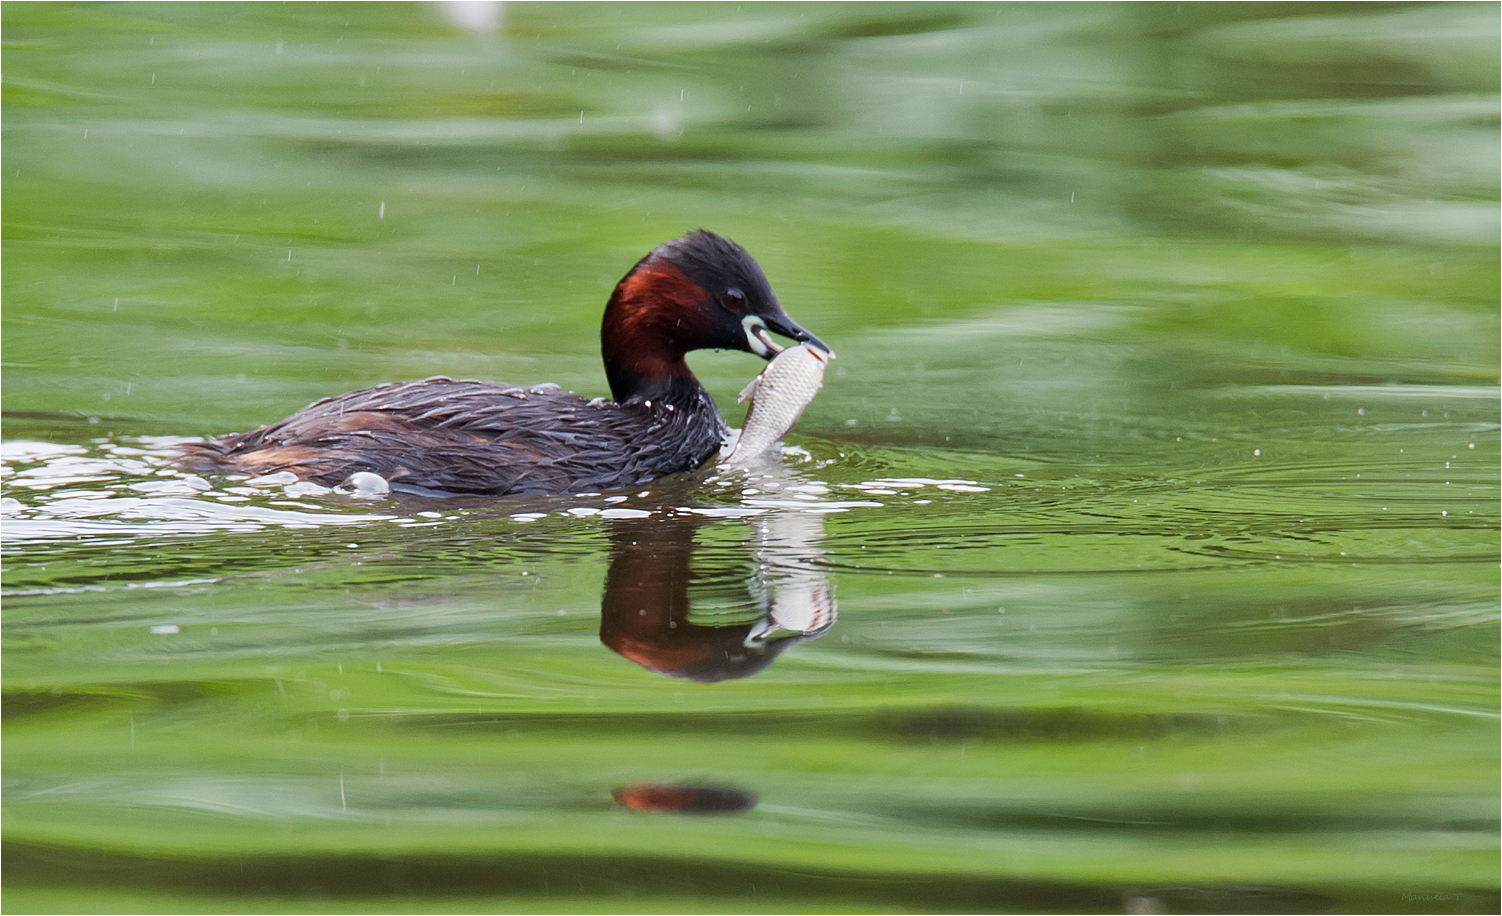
pixel 480 437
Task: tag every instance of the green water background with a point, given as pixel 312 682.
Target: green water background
pixel 1201 299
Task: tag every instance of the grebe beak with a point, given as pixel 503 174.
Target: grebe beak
pixel 761 342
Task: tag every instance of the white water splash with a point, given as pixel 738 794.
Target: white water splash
pixel 109 490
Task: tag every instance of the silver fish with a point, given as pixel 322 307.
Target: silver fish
pixel 778 396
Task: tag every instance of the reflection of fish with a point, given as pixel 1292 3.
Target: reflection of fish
pixel 778 396
pixel 792 587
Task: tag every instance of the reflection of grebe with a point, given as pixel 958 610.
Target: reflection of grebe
pixel 644 612
pixel 694 293
pixel 661 798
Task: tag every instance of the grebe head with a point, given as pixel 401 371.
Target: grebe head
pixel 700 292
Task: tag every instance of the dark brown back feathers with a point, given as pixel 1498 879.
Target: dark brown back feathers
pixel 478 437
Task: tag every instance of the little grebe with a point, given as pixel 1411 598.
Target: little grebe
pixel 694 293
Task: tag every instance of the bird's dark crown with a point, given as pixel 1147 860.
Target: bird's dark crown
pixel 717 264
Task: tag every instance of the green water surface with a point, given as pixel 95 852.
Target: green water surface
pixel 1156 480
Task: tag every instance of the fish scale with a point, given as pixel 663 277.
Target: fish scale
pixel 778 397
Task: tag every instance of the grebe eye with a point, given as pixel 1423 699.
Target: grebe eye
pixel 735 300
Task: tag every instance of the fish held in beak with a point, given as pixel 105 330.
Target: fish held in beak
pixel 778 396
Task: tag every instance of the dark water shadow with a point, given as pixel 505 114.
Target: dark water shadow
pixel 258 881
